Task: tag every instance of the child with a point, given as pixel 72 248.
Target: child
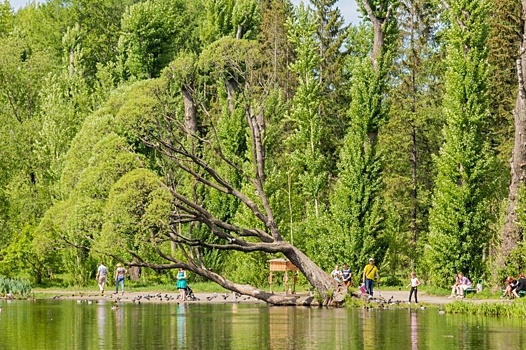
pixel 346 275
pixel 413 283
pixel 337 275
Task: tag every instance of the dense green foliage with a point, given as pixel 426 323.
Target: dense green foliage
pixel 356 164
pixel 15 288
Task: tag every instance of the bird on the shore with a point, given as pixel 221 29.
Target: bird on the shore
pixel 225 296
pixel 56 297
pixel 212 297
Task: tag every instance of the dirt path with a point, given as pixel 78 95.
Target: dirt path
pixel 172 297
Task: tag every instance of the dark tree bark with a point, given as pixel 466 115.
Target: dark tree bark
pixel 512 233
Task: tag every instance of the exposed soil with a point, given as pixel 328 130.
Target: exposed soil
pixel 172 297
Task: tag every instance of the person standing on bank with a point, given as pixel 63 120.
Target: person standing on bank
pixel 102 277
pixel 347 275
pixel 181 283
pixel 413 283
pixel 369 273
pixel 120 273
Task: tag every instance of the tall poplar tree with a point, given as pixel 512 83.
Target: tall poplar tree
pixel 459 217
pixel 409 138
pixel 305 164
pixel 333 77
pixel 508 114
pixel 356 204
pixel 274 14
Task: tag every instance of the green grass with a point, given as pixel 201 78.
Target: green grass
pixel 517 308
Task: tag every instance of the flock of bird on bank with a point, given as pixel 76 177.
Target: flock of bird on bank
pixel 159 297
pixel 372 303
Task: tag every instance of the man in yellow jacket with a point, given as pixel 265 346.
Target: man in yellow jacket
pixel 369 273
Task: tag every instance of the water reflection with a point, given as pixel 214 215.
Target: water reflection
pixel 414 330
pixel 368 330
pixel 101 324
pixel 119 322
pixel 181 325
pixel 282 324
pixel 63 326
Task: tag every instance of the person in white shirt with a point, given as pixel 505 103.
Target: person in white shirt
pixel 337 275
pixel 102 277
pixel 413 283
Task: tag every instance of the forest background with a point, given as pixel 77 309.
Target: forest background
pixel 106 106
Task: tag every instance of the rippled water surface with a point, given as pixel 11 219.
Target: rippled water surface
pixel 66 325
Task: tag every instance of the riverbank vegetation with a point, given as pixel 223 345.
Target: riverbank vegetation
pixel 14 288
pixel 215 135
pixel 516 309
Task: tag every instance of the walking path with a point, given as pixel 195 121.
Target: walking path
pixel 171 297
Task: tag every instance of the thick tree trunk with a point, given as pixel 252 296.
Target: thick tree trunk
pixel 190 120
pixel 512 233
pixel 329 293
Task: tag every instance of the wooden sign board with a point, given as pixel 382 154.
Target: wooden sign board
pixel 282 265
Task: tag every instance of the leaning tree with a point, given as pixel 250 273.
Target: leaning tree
pixel 201 161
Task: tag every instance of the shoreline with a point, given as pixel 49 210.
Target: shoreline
pixel 153 296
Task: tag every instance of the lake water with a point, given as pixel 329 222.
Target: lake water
pixel 67 325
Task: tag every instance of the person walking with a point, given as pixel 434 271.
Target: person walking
pixel 181 283
pixel 413 283
pixel 370 271
pixel 102 277
pixel 120 274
